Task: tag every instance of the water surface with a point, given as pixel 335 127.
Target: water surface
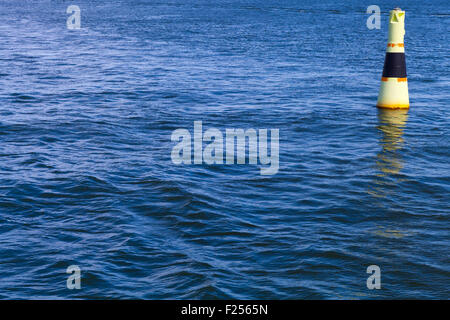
pixel 86 176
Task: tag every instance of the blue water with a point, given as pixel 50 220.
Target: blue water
pixel 86 176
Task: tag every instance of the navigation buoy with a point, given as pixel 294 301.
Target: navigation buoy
pixel 394 84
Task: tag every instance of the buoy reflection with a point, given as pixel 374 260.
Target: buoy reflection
pixel 391 124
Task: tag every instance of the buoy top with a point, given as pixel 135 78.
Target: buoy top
pixel 396 30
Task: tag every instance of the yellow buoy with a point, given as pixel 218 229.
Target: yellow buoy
pixel 394 84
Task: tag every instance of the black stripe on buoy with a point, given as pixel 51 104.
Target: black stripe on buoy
pixel 394 65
